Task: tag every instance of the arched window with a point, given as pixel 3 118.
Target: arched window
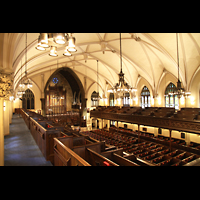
pixel 28 100
pixel 126 99
pixel 171 100
pixel 145 97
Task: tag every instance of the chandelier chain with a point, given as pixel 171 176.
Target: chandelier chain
pixel 121 51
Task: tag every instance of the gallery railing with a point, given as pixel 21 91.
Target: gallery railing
pixel 166 123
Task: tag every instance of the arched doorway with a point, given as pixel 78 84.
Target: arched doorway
pixel 145 97
pixel 75 94
pixel 28 100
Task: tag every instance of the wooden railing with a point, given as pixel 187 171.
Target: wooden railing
pixel 166 123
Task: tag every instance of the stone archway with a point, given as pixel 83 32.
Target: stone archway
pixel 74 82
pixel 28 100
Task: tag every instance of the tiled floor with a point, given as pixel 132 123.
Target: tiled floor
pixel 20 148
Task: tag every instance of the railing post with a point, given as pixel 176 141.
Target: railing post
pixel 138 132
pixel 170 142
pixel 117 127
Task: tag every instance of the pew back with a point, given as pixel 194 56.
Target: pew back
pixel 96 159
pixel 44 138
pixel 64 156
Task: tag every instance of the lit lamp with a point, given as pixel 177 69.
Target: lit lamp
pixel 39 47
pixel 29 84
pixel 21 85
pixel 66 52
pixel 121 88
pixel 44 40
pixel 53 51
pixel 60 38
pixel 71 44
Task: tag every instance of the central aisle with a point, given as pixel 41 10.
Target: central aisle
pixel 20 148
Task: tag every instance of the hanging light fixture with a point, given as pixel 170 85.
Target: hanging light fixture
pixel 27 82
pixel 122 87
pixel 59 38
pixel 53 40
pixel 53 51
pixel 71 44
pixel 21 91
pixel 66 52
pixel 97 97
pixel 44 40
pixel 180 92
pixel 39 47
pixel 21 85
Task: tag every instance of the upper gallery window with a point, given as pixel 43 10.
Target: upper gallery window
pixel 145 97
pixel 171 100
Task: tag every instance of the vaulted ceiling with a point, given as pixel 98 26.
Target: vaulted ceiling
pixel 146 55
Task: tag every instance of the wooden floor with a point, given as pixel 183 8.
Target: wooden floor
pixel 20 148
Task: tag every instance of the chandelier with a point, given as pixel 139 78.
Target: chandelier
pixel 180 92
pixel 53 40
pixel 96 96
pixel 26 83
pixel 121 88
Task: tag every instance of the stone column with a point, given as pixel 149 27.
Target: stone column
pixel 1 133
pixel 10 111
pixel 6 116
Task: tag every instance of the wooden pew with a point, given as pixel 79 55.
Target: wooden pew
pixel 64 156
pixel 96 159
pixel 138 161
pixel 91 153
pixel 44 138
pixel 117 157
pixel 26 117
pixel 74 148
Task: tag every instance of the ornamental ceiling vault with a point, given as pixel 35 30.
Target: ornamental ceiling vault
pixel 146 55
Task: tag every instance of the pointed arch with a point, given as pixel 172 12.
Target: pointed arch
pixel 28 100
